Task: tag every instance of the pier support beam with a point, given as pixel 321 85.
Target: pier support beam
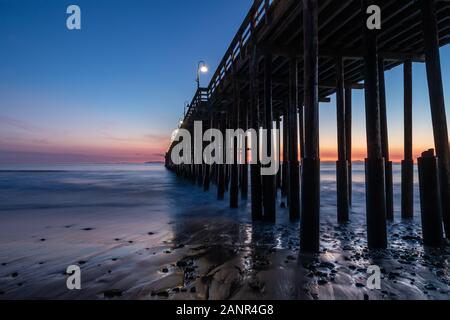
pixel 437 104
pixel 285 167
pixel 310 217
pixel 348 137
pixel 278 127
pixel 389 188
pixel 430 201
pixel 294 166
pixel 269 181
pixel 207 167
pixel 408 163
pixel 341 165
pixel 255 168
pixel 221 167
pixel 375 178
pixel 234 174
pixel 244 167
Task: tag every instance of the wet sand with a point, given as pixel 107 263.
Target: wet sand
pixel 148 235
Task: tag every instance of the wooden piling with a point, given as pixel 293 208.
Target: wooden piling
pixel 310 217
pixel 341 164
pixel 278 127
pixel 234 174
pixel 389 186
pixel 285 165
pixel 255 168
pixel 375 181
pixel 408 163
pixel 269 181
pixel 348 137
pixel 437 104
pixel 430 200
pixel 207 167
pixel 244 166
pixel 221 167
pixel 292 141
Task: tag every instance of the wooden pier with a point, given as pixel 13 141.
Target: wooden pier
pixel 287 57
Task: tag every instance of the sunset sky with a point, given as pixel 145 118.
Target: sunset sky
pixel 114 91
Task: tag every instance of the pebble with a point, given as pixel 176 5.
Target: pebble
pixel 430 287
pixel 163 294
pixel 327 265
pixel 322 282
pixel 14 274
pixel 182 264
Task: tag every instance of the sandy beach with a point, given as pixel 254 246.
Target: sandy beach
pixel 138 232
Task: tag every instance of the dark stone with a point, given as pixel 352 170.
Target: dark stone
pixel 151 233
pixel 14 274
pixel 359 285
pixel 188 269
pixel 322 282
pixel 43 239
pixel 430 287
pixel 182 264
pixel 164 270
pixel 193 290
pixel 327 265
pixel 112 293
pixel 81 262
pixel 87 229
pixel 163 294
pixel 411 238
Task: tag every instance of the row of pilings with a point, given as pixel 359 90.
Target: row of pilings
pixel 299 177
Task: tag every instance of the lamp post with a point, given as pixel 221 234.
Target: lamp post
pixel 201 68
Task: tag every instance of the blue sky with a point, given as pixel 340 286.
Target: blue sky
pixel 115 90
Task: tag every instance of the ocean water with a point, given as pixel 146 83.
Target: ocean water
pixel 90 187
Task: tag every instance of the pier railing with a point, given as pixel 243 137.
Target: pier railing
pixel 258 15
pixel 200 97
